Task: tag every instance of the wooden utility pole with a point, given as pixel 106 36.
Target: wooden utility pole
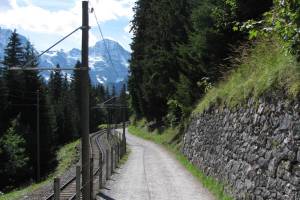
pixel 84 103
pixel 38 170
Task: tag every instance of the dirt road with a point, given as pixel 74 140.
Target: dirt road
pixel 152 173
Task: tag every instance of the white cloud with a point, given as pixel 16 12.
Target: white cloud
pixel 30 17
pixel 5 4
pixel 112 9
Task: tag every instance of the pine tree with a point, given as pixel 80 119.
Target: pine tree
pixel 97 115
pixel 56 97
pixel 75 82
pixel 55 85
pixel 14 161
pixel 13 57
pixel 75 95
pixel 70 123
pixel 158 27
pixel 18 100
pixel 48 132
pixel 3 104
pixel 113 91
pixel 14 52
pixel 123 95
pixel 107 92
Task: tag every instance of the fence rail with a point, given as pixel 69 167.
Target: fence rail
pixel 72 188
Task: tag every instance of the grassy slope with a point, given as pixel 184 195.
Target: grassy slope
pixel 165 139
pixel 66 156
pixel 265 67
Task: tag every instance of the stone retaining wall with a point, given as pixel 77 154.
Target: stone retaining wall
pixel 254 150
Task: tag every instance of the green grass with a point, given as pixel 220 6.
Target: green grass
pixel 216 188
pixel 125 157
pixel 102 126
pixel 66 156
pixel 264 68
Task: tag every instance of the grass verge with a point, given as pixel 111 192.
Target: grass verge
pixel 265 67
pixel 66 157
pixel 125 157
pixel 216 188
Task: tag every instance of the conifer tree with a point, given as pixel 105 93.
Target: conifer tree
pixel 3 104
pixel 56 96
pixel 158 26
pixel 13 57
pixel 14 160
pixel 70 123
pixel 107 93
pixel 14 52
pixel 75 95
pixel 55 85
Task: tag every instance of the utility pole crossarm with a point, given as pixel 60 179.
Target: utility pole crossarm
pixel 46 69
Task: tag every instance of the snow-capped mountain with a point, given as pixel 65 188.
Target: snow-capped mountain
pixel 108 60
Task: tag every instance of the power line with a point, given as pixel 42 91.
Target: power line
pixel 47 50
pixel 105 45
pixel 22 104
pixel 22 97
pixel 38 56
pixel 19 97
pixel 17 90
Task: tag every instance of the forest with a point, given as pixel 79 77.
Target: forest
pixel 58 99
pixel 184 50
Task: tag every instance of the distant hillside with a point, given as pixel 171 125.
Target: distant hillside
pixel 101 71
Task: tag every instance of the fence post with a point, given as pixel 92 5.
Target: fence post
pixel 112 159
pixel 107 161
pixel 100 170
pixel 78 182
pixel 124 142
pixel 56 189
pixel 118 150
pixel 120 146
pixel 92 178
pixel 116 156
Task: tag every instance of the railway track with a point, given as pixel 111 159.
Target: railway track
pixel 68 190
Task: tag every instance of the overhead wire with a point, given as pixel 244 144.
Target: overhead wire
pixel 17 90
pixel 105 44
pixel 47 50
pixel 23 98
pixel 19 97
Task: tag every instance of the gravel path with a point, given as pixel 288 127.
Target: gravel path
pixel 152 173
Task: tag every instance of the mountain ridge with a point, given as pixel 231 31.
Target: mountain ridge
pixel 105 68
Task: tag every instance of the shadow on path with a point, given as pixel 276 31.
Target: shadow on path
pixel 105 188
pixel 105 196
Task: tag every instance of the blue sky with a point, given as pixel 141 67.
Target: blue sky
pixel 46 21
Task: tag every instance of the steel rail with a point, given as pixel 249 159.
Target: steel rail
pixel 69 182
pixel 100 134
